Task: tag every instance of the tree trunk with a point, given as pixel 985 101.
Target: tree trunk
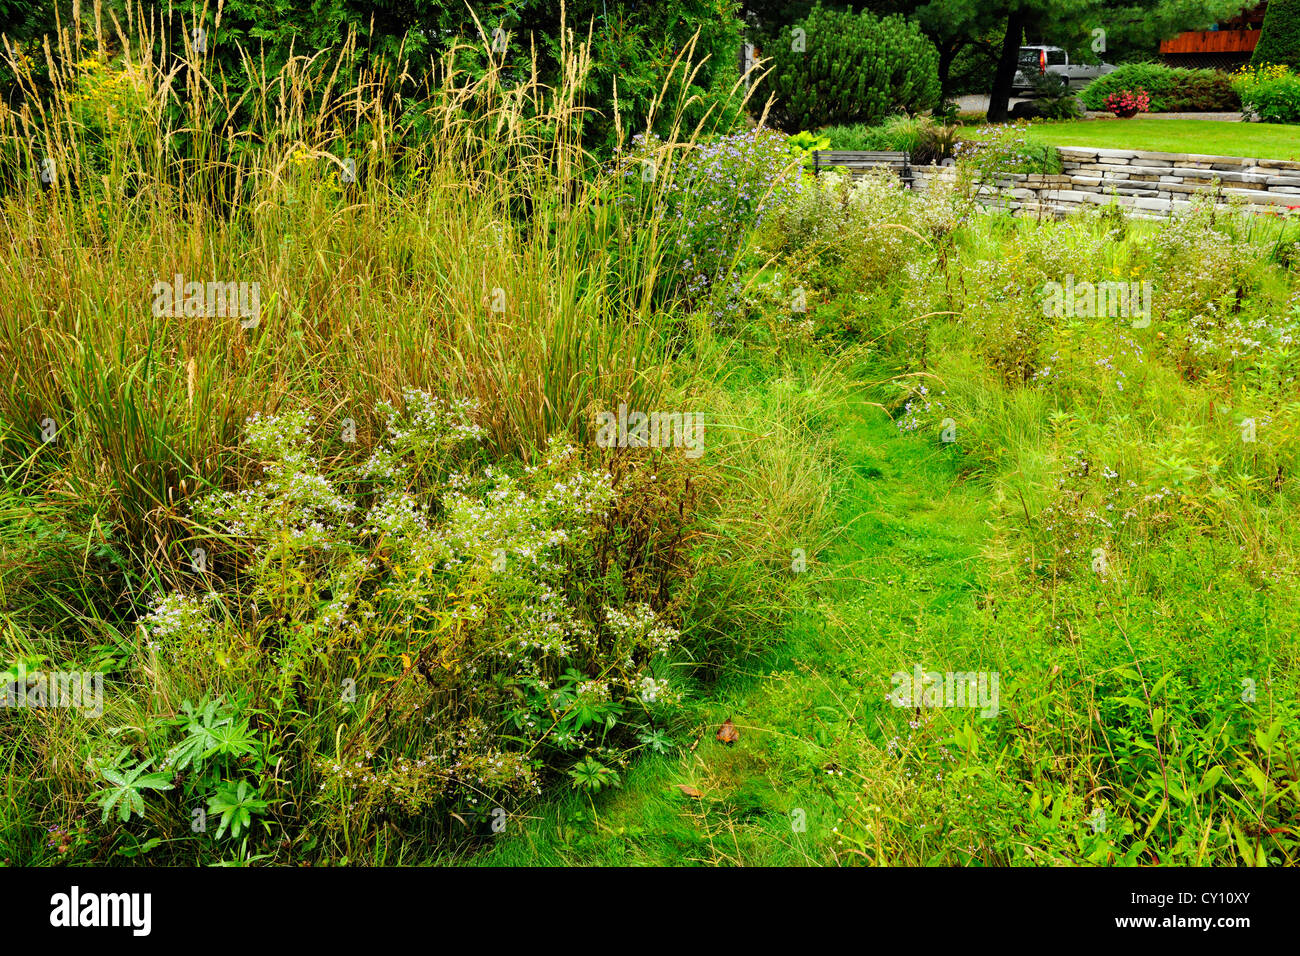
pixel 947 53
pixel 1000 96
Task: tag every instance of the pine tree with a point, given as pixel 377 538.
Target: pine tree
pixel 1279 39
pixel 839 67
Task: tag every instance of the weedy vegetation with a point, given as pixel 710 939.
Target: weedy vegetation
pixel 364 588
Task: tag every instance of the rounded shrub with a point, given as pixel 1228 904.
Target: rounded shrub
pixel 839 67
pixel 1201 91
pixel 1172 89
pixel 1270 94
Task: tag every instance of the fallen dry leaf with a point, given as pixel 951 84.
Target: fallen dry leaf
pixel 690 791
pixel 727 733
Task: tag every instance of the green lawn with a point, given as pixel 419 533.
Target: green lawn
pixel 1213 137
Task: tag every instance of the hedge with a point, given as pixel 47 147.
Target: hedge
pixel 1172 89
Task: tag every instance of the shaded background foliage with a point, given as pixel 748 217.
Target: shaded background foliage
pixel 971 36
pixel 633 43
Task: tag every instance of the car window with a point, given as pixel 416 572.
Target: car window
pixel 1028 57
pixel 1056 58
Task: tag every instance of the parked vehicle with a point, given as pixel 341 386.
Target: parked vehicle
pixel 1052 59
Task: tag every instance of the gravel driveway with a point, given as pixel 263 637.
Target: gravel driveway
pixel 980 104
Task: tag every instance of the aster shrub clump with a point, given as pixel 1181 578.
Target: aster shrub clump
pixel 710 198
pixel 427 632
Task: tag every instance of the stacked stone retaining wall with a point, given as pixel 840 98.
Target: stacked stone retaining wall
pixel 1148 184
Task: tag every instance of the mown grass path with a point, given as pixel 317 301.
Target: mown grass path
pixel 898 583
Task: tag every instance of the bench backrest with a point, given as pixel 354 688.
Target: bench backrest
pixel 860 160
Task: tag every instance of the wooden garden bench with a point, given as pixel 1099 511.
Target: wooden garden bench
pixel 859 161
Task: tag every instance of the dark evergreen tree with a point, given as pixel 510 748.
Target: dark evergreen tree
pixel 1279 38
pixel 839 67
